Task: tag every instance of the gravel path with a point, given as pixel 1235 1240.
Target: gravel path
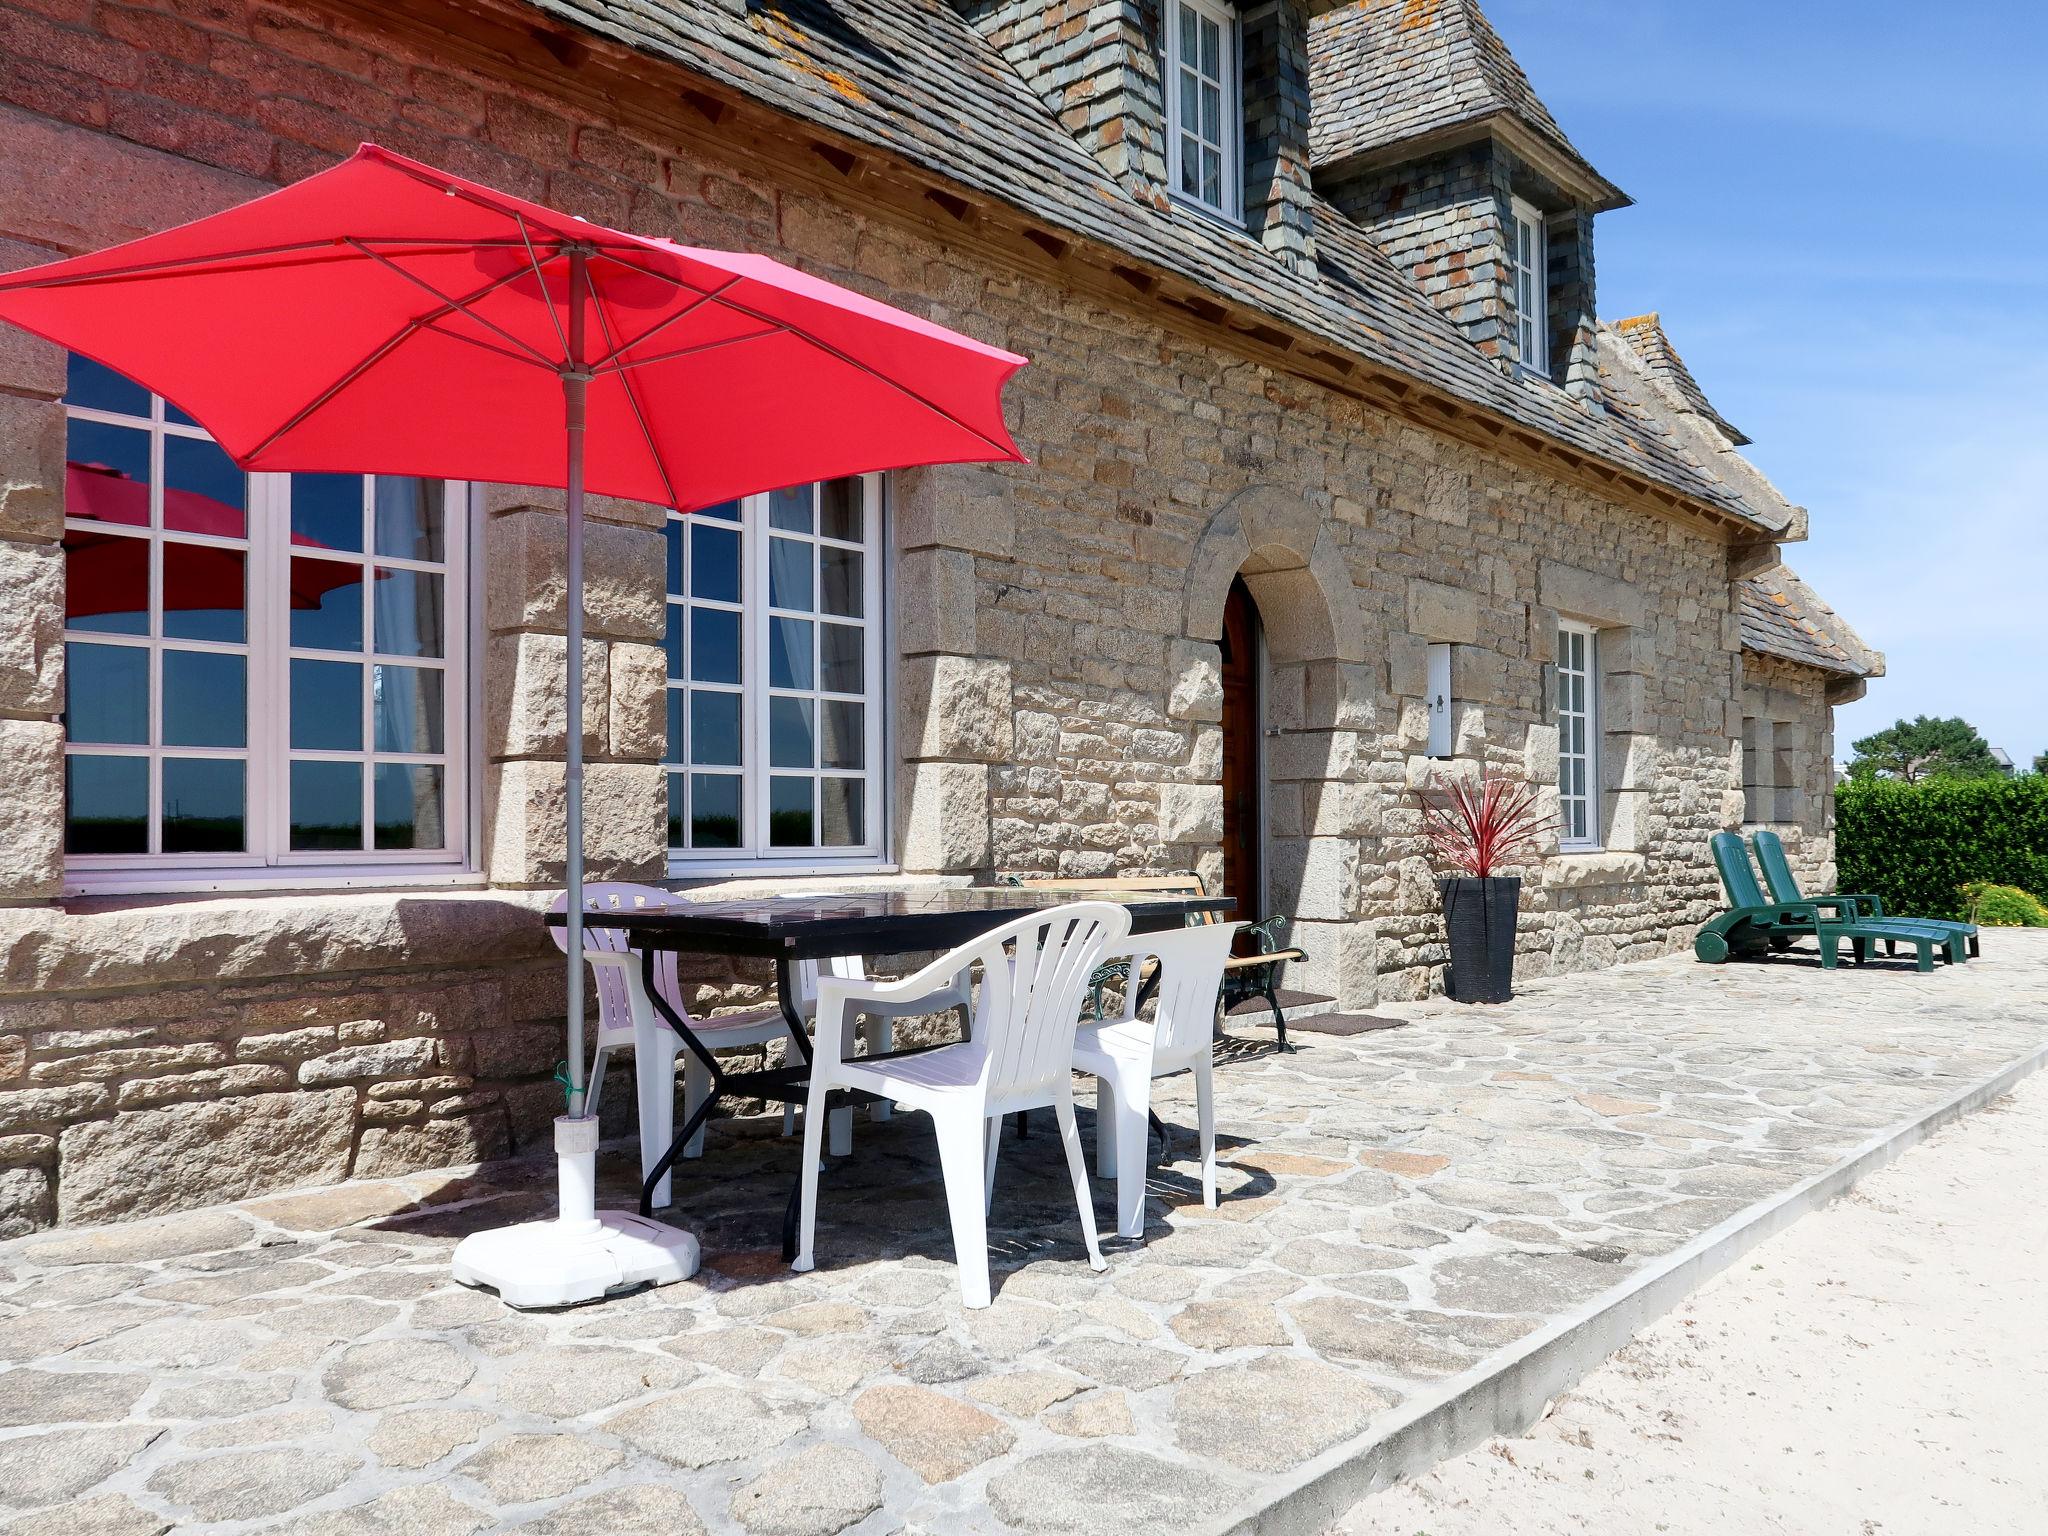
pixel 1879 1370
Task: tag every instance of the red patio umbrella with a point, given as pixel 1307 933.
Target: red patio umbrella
pixel 384 316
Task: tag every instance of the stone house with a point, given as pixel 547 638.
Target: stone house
pixel 1338 482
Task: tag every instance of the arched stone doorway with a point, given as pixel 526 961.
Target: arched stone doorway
pixel 1243 645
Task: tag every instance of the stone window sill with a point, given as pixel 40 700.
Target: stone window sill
pixel 1595 866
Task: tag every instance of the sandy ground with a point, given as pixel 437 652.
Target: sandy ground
pixel 1879 1370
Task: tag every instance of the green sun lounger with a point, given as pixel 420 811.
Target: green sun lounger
pixel 1779 881
pixel 1752 922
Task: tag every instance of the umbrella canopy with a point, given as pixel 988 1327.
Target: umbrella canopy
pixel 387 316
pixel 384 316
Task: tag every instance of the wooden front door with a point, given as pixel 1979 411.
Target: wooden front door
pixel 1244 790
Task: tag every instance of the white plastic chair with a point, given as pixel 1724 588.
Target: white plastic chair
pixel 1018 1055
pixel 1125 1054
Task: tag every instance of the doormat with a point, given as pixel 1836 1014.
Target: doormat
pixel 1342 1024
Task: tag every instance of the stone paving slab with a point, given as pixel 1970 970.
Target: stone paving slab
pixel 1399 1207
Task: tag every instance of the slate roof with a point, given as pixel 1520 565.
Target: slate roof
pixel 1782 616
pixel 914 79
pixel 1382 72
pixel 1646 334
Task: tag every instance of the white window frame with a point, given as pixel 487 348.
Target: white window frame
pixel 1587 672
pixel 757 856
pixel 1529 262
pixel 268 861
pixel 1231 88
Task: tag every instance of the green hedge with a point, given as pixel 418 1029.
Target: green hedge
pixel 1917 845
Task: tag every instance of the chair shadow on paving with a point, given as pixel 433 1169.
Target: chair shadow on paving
pixel 885 1203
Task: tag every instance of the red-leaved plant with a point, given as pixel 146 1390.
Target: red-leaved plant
pixel 1478 831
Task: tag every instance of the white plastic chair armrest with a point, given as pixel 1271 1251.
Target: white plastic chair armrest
pixel 624 959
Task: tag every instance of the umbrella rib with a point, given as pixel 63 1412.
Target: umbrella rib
pixel 626 383
pixel 326 250
pixel 378 353
pixel 663 324
pixel 463 304
pixel 691 350
pixel 852 362
pixel 540 279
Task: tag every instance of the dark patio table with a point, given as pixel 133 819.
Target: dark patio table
pixel 822 926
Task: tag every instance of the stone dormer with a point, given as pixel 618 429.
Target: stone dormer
pixel 1122 74
pixel 1426 132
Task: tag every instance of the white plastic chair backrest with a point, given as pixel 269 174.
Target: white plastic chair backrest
pixel 614 1010
pixel 805 975
pixel 1030 1000
pixel 1191 964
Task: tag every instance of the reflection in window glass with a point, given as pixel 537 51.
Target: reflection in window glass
pixel 714 645
pixel 841 814
pixel 714 561
pixel 203 490
pixel 327 706
pixel 789 733
pixel 204 801
pixel 106 804
pixel 408 806
pixel 790 508
pixel 106 473
pixel 839 648
pixel 408 515
pixel 715 818
pixel 205 593
pixel 206 701
pixel 841 505
pixel 326 805
pixel 789 574
pixel 789 653
pixel 715 728
pixel 789 812
pixel 106 582
pixel 845 743
pixel 327 605
pixel 327 511
pixel 406 704
pixel 106 693
pixel 97 387
pixel 839 575
pixel 408 609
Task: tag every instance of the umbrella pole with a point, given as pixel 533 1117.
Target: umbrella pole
pixel 583 1253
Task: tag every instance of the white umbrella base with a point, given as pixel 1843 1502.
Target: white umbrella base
pixel 584 1253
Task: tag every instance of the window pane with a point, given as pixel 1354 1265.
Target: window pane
pixel 677 809
pixel 714 561
pixel 327 605
pixel 327 805
pixel 1190 104
pixel 106 693
pixel 1212 114
pixel 203 490
pixel 714 645
pixel 205 699
pixel 106 474
pixel 1212 178
pixel 841 509
pixel 839 579
pixel 204 591
pixel 1190 166
pixel 1187 34
pixel 789 653
pixel 790 508
pixel 676 698
pixel 729 510
pixel 93 384
pixel 789 813
pixel 406 703
pixel 327 511
pixel 204 805
pixel 106 804
pixel 791 742
pixel 106 582
pixel 842 819
pixel 408 609
pixel 408 515
pixel 672 641
pixel 174 413
pixel 1212 44
pixel 327 706
pixel 839 658
pixel 672 539
pixel 789 575
pixel 714 810
pixel 408 806
pixel 715 728
pixel 844 744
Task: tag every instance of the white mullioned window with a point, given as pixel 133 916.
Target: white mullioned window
pixel 775 695
pixel 1578 736
pixel 1203 127
pixel 1531 268
pixel 264 674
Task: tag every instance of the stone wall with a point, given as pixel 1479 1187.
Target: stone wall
pixel 1787 762
pixel 1057 693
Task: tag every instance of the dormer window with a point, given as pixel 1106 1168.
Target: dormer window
pixel 1531 266
pixel 1202 95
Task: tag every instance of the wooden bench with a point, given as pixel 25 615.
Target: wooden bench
pixel 1255 975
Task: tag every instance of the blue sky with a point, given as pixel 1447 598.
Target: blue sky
pixel 1842 214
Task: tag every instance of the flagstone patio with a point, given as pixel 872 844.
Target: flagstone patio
pixel 1397 1205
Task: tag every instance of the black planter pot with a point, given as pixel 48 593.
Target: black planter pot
pixel 1479 916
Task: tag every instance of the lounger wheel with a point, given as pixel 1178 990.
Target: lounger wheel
pixel 1710 947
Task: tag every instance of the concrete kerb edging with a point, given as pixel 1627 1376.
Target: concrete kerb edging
pixel 1507 1393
